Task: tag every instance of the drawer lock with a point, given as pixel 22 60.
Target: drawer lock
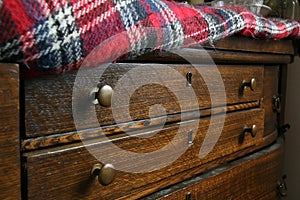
pixel 189 78
pixel 105 174
pixel 190 138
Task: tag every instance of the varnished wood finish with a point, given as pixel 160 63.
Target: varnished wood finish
pixel 252 177
pixel 65 173
pixel 255 45
pixel 48 100
pixel 10 187
pixel 218 56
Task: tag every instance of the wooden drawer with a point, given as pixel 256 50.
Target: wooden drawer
pixel 252 177
pixel 48 100
pixel 65 173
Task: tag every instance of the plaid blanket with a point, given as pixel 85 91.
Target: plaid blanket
pixel 56 35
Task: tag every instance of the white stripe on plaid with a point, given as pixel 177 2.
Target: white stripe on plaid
pixel 173 27
pixel 97 20
pixel 87 8
pixel 11 49
pixel 45 7
pixel 236 20
pixel 55 36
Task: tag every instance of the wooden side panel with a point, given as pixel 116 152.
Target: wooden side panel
pixel 271 76
pixel 9 132
pixel 252 177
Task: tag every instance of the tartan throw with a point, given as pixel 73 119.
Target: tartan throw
pixel 56 35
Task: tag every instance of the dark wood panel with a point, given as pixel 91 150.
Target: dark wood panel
pixel 10 187
pixel 255 45
pixel 65 173
pixel 252 177
pixel 48 100
pixel 282 93
pixel 271 76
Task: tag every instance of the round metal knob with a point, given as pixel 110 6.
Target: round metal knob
pixel 251 84
pixel 105 95
pixel 252 130
pixel 102 96
pixel 105 174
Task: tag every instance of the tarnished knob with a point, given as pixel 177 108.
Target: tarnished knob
pixel 251 84
pixel 252 130
pixel 105 174
pixel 103 95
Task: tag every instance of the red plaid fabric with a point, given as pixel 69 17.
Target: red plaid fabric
pixel 56 35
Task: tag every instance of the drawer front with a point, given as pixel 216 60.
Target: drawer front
pixel 253 177
pixel 65 173
pixel 48 101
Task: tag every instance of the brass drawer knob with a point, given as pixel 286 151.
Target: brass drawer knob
pixel 103 95
pixel 252 130
pixel 105 174
pixel 251 84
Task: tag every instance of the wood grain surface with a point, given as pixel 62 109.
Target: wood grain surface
pixel 252 177
pixel 65 173
pixel 10 187
pixel 48 100
pixel 196 55
pixel 117 129
pixel 246 44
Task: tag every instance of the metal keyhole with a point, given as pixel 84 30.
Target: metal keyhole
pixel 189 78
pixel 190 138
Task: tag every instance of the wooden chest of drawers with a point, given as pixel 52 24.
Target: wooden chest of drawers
pixel 180 141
